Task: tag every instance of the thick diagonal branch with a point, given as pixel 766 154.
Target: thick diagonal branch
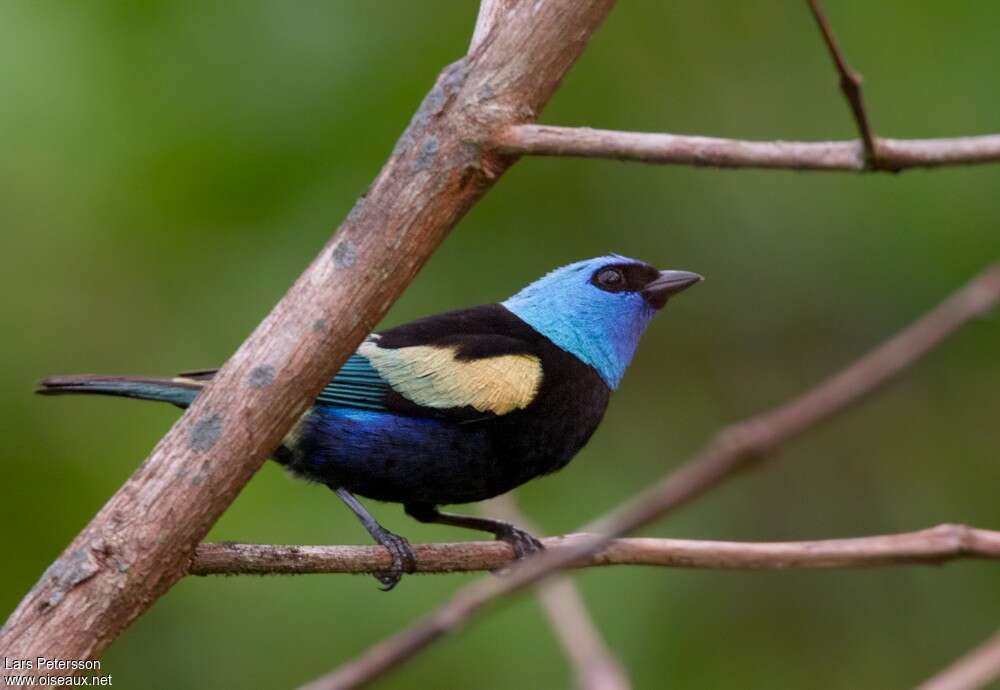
pixel 733 449
pixel 142 540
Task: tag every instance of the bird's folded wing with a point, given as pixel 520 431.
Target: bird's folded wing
pixel 465 377
pixel 356 385
pixel 441 379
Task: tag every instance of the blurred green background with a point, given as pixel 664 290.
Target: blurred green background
pixel 169 168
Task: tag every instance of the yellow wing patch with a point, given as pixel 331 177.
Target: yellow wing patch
pixel 432 377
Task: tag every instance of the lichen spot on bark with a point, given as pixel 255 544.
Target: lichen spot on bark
pixel 205 433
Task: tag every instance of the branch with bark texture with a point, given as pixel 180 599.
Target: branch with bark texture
pixel 733 449
pixel 678 149
pixel 870 153
pixel 468 131
pixel 142 540
pixel 930 546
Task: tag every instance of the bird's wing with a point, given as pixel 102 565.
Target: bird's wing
pixel 467 365
pixel 451 378
pixel 357 385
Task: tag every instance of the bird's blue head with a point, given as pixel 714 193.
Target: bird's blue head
pixel 598 308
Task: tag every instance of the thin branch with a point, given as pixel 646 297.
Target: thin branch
pixel 930 546
pixel 142 540
pixel 594 665
pixel 732 449
pixel 977 669
pixel 870 153
pixel 677 149
pixel 850 84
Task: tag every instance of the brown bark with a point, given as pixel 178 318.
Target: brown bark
pixel 715 152
pixel 470 128
pixel 141 541
pixel 930 546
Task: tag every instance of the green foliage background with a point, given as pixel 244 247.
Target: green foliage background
pixel 168 168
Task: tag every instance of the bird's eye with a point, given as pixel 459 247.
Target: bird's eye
pixel 611 278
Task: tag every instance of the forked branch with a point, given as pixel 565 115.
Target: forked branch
pixel 850 84
pixel 142 540
pixel 470 128
pixel 869 153
pixel 715 152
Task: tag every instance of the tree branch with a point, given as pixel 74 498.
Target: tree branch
pixel 977 669
pixel 870 153
pixel 732 449
pixel 850 84
pixel 141 541
pixel 677 149
pixel 491 15
pixel 930 546
pixel 594 665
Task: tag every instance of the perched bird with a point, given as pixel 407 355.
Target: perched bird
pixel 462 406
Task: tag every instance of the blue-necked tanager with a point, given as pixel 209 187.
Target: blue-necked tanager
pixel 462 406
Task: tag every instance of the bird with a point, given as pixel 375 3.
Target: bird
pixel 461 406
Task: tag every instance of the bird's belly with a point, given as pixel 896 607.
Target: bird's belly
pixel 404 459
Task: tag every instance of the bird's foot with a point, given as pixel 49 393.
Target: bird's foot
pixel 403 560
pixel 523 543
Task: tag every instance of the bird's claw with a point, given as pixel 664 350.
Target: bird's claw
pixel 523 543
pixel 403 560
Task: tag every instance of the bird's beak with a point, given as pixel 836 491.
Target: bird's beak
pixel 668 284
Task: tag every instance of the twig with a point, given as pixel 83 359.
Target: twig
pixel 142 540
pixel 930 546
pixel 850 84
pixel 594 665
pixel 869 153
pixel 733 449
pixel 677 149
pixel 977 669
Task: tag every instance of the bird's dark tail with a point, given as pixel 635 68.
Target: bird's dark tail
pixel 180 391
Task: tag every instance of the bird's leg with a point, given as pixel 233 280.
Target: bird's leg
pixel 522 542
pixel 403 560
